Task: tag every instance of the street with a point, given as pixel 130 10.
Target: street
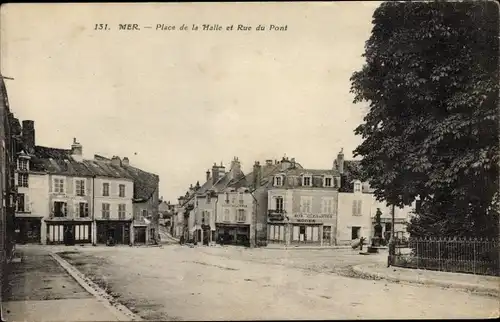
pixel 230 283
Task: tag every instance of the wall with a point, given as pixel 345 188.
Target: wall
pixel 151 206
pixel 261 195
pixel 114 198
pixel 233 206
pixel 346 219
pixel 69 196
pixel 36 200
pixel 316 214
pixel 369 205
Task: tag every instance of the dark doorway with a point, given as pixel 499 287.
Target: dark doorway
pixel 28 230
pixel 355 232
pixel 140 235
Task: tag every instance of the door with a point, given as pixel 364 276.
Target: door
pixel 140 235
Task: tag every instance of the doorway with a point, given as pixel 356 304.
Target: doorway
pixel 140 235
pixel 355 232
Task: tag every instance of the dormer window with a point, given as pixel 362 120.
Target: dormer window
pixel 357 186
pixel 307 181
pixel 328 182
pixel 278 181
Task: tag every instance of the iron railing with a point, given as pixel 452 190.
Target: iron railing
pixel 461 255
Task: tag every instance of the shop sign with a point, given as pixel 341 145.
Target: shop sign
pixel 313 216
pixel 306 220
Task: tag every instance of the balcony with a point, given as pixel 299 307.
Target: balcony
pixel 276 214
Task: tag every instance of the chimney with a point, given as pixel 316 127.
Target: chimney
pixel 340 161
pixel 215 173
pixel 269 162
pixel 222 170
pixel 125 161
pixel 208 174
pixel 28 133
pixel 257 174
pixel 76 151
pixel 115 160
pixel 292 160
pixel 285 164
pixel 235 168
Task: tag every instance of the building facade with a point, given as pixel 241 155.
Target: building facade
pixel 302 206
pixel 357 208
pixel 65 198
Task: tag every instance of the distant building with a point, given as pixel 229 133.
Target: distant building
pixel 357 207
pixel 65 198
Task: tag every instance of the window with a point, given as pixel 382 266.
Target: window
pixel 279 204
pixel 278 181
pixel 21 205
pixel 60 209
pixel 327 233
pixel 205 217
pixel 226 215
pixel 105 189
pixel 242 217
pixel 327 205
pixel 357 186
pixel 233 199
pixel 328 182
pixel 22 179
pixel 356 207
pixel 227 197
pixel 209 198
pixel 305 204
pixel 83 210
pixel 306 181
pixel 23 164
pixel 121 211
pixel 355 232
pixel 144 213
pixel 58 185
pixel 80 187
pixel 105 211
pixel 241 198
pixel 122 190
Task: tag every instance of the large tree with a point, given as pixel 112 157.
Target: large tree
pixel 431 81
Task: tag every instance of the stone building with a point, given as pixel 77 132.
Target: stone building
pixel 357 207
pixel 68 199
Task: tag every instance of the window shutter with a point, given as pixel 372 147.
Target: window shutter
pixel 27 203
pixel 65 209
pixel 77 210
pixel 51 184
pixel 354 207
pixel 359 207
pixel 86 210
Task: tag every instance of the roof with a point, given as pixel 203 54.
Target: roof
pixel 59 161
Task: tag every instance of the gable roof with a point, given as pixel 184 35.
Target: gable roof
pixel 59 161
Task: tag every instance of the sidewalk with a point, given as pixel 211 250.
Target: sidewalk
pixel 305 247
pixel 39 289
pixel 488 285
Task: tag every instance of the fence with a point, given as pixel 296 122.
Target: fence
pixel 475 256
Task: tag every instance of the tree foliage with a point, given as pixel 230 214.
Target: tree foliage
pixel 431 80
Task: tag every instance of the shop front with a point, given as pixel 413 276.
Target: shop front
pixel 300 230
pixel 28 230
pixel 112 232
pixel 69 232
pixel 233 234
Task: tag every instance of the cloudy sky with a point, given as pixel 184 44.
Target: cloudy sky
pixel 175 102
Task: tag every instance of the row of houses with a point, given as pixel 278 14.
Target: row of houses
pixel 283 202
pixel 64 198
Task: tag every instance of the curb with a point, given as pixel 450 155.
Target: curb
pixel 306 248
pixel 485 290
pixel 119 310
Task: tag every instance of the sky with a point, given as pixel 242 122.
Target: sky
pixel 176 101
